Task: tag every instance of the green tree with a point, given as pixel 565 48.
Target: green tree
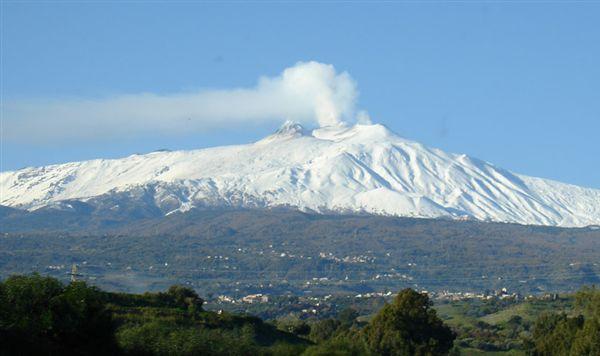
pixel 588 301
pixel 587 340
pixel 408 326
pixel 323 329
pixel 553 334
pixel 350 344
pixel 348 316
pixel 184 297
pixel 41 316
pixel 296 327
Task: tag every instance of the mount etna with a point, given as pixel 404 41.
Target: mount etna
pixel 337 209
pixel 335 169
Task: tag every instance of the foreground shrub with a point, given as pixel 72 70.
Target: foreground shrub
pixel 39 315
pixel 408 326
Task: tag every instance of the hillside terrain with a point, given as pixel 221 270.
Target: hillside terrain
pixel 237 252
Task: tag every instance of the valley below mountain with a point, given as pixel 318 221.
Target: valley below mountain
pixel 280 251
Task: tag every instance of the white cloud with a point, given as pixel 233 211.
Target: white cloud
pixel 309 92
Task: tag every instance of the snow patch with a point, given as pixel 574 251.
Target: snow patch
pixel 339 168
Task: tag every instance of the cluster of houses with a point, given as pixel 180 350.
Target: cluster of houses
pixel 453 296
pixel 249 299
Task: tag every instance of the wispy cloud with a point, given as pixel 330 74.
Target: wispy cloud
pixel 308 92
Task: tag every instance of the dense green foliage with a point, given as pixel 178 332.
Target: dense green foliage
pixel 343 345
pixel 41 316
pixel 560 334
pixel 408 326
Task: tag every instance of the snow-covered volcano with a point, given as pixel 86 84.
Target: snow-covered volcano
pixel 362 168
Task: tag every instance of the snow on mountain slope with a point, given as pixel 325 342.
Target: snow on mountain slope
pixel 363 168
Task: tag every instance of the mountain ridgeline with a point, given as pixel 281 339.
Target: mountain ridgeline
pixel 361 169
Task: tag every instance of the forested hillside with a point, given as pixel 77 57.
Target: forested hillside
pixel 237 252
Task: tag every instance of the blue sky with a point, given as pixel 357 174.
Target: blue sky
pixel 516 84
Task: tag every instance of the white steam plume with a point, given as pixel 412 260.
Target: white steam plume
pixel 308 92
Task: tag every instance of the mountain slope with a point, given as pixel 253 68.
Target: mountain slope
pixel 364 168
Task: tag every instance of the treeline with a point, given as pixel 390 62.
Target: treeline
pixel 576 334
pixel 41 316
